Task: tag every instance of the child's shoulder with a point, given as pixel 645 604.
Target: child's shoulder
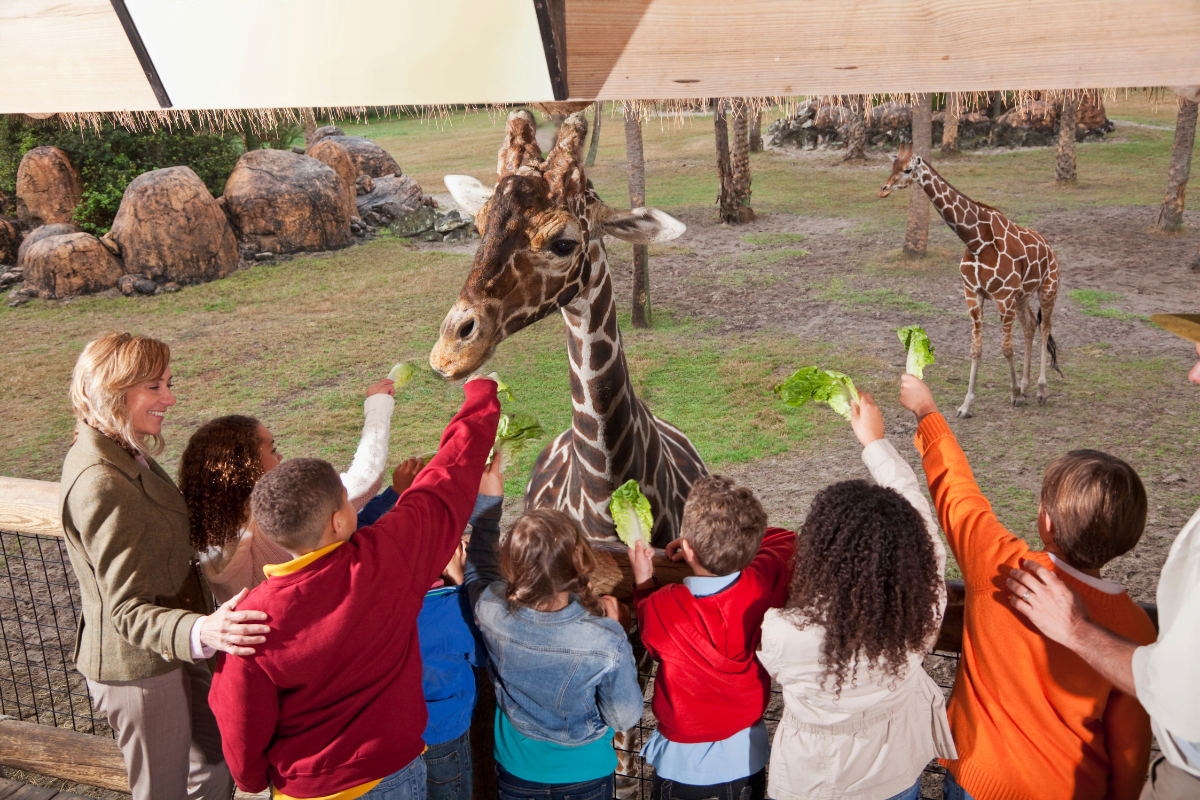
pixel 1126 618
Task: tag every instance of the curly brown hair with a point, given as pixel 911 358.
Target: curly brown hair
pixel 866 572
pixel 544 553
pixel 217 472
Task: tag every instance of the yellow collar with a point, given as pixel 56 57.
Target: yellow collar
pixel 297 564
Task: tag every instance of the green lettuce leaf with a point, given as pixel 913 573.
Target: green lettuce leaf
pixel 513 435
pixel 631 512
pixel 401 374
pixel 501 386
pixel 821 385
pixel 920 349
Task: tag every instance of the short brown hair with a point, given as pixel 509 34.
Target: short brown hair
pixel 1097 504
pixel 544 553
pixel 724 523
pixel 217 472
pixel 292 504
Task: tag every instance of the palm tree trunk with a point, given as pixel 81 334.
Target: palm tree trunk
pixel 637 199
pixel 1171 215
pixel 597 116
pixel 950 126
pixel 916 238
pixel 756 143
pixel 1064 164
pixel 856 130
pixel 740 159
pixel 726 195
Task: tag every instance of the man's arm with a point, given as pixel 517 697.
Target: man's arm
pixel 1060 614
pixel 246 705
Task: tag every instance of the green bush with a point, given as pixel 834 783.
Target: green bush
pixel 107 161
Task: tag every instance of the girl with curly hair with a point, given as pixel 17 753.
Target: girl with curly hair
pixel 862 718
pixel 223 461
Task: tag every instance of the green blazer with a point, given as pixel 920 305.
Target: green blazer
pixel 127 535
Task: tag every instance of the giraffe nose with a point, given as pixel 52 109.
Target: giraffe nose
pixel 466 329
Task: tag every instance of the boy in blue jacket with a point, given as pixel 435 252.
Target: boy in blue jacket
pixel 450 643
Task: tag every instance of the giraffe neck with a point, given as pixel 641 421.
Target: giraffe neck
pixel 960 212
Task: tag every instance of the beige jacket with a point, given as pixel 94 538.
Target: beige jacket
pixel 871 741
pixel 127 536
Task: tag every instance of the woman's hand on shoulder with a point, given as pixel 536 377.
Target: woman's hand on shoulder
pixel 231 630
pixel 866 419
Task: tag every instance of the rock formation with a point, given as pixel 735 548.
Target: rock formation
pixel 368 157
pixel 321 132
pixel 68 265
pixel 43 232
pixel 10 241
pixel 334 156
pixel 48 187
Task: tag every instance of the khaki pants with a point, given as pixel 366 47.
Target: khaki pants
pixel 1169 782
pixel 167 734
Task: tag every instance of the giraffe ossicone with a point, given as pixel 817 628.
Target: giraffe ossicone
pixel 541 250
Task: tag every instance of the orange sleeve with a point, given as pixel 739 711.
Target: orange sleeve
pixel 975 536
pixel 1127 737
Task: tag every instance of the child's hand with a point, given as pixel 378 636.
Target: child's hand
pixel 615 609
pixel 384 386
pixel 675 550
pixel 405 473
pixel 641 558
pixel 916 397
pixel 479 376
pixel 453 573
pixel 866 419
pixel 492 482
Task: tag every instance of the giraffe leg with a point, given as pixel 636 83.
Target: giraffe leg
pixel 975 309
pixel 1029 327
pixel 1008 315
pixel 1046 312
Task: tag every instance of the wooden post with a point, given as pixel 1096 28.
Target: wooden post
pixel 63 753
pixel 916 238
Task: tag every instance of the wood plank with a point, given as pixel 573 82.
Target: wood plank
pixel 614 574
pixel 63 753
pixel 29 792
pixel 29 507
pixel 656 49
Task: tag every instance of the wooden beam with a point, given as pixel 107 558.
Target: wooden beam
pixel 63 753
pixel 29 507
pixel 657 49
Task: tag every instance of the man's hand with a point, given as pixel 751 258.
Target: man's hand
pixel 228 629
pixel 405 473
pixel 641 557
pixel 385 386
pixel 916 397
pixel 492 482
pixel 615 609
pixel 866 419
pixel 1048 603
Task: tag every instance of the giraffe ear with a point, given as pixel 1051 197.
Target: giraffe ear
pixel 468 192
pixel 643 226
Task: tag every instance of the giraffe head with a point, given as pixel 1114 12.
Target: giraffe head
pixel 542 229
pixel 906 168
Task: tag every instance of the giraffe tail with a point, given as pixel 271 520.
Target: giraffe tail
pixel 1051 348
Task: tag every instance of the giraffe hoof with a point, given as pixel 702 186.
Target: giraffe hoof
pixel 1042 398
pixel 964 413
pixel 1018 401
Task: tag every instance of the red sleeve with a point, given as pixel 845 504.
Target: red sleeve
pixel 774 563
pixel 246 705
pixel 976 537
pixel 424 528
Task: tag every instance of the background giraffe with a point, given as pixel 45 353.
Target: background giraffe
pixel 542 251
pixel 1003 261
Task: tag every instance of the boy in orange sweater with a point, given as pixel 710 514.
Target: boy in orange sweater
pixel 1031 720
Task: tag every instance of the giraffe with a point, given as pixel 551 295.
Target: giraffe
pixel 1003 261
pixel 542 251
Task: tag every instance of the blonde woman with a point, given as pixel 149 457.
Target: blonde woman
pixel 147 626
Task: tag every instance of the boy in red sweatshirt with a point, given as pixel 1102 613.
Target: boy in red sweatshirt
pixel 1031 720
pixel 710 692
pixel 331 706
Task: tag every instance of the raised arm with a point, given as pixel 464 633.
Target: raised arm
pixel 365 475
pixel 483 556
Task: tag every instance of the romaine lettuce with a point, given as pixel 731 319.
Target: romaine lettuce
pixel 514 432
pixel 821 385
pixel 631 512
pixel 501 386
pixel 920 349
pixel 401 374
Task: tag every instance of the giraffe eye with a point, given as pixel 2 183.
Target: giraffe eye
pixel 908 170
pixel 563 247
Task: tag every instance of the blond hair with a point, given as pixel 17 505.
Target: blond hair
pixel 108 367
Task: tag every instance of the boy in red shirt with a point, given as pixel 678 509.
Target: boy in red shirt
pixel 331 706
pixel 710 691
pixel 1031 720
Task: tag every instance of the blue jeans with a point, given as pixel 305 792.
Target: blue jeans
pixel 911 793
pixel 404 784
pixel 952 791
pixel 510 787
pixel 448 769
pixel 753 787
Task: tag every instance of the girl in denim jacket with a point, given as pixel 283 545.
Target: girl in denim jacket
pixel 562 666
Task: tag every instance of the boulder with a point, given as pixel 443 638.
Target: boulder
pixel 284 203
pixel 323 131
pixel 368 157
pixel 68 265
pixel 391 197
pixel 48 187
pixel 1090 116
pixel 10 241
pixel 364 184
pixel 334 156
pixel 169 228
pixel 890 116
pixel 43 232
pixel 1036 115
pixel 419 221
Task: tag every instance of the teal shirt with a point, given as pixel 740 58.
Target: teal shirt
pixel 548 762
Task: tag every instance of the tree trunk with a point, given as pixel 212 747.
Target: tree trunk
pixel 1064 164
pixel 731 211
pixel 597 116
pixel 740 159
pixel 916 238
pixel 997 107
pixel 1171 215
pixel 950 126
pixel 310 125
pixel 637 198
pixel 856 130
pixel 756 143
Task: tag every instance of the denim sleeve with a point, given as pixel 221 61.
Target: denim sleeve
pixel 377 506
pixel 619 697
pixel 483 557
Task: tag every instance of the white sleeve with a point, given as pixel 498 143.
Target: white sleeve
pixel 890 470
pixel 1164 673
pixel 365 476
